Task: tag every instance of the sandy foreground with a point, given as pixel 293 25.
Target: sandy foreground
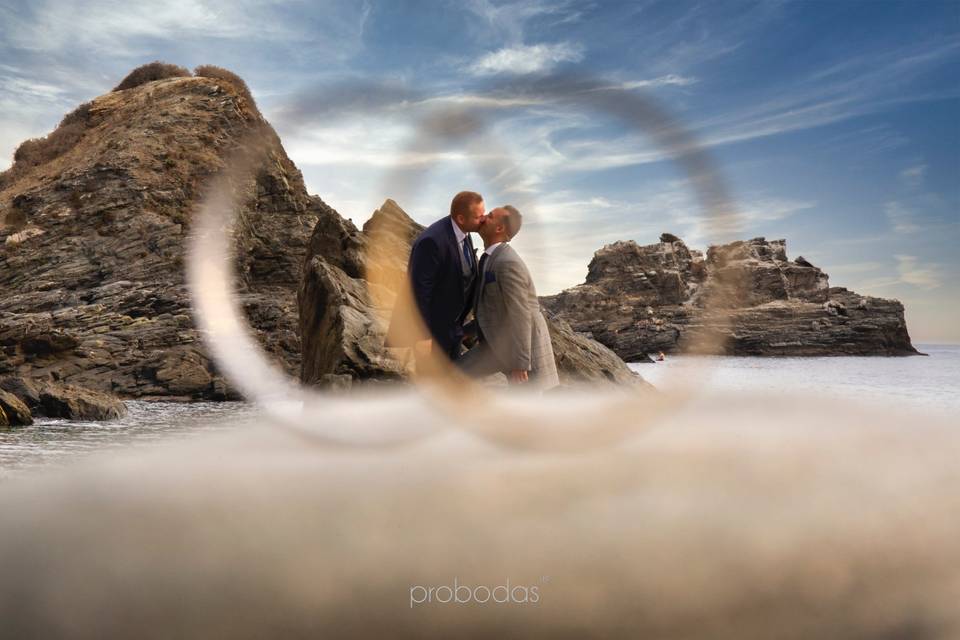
pixel 722 517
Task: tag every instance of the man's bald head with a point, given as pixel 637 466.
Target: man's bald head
pixel 513 220
pixel 502 225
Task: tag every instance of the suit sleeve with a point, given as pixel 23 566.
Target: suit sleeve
pixel 424 274
pixel 514 286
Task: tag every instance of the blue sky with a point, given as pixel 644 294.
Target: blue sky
pixel 835 125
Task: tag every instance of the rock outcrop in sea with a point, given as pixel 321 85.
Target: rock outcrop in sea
pixel 21 399
pixel 95 219
pixel 344 315
pixel 642 299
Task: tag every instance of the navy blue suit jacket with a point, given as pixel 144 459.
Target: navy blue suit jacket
pixel 440 291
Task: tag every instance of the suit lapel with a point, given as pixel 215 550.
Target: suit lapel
pixel 487 268
pixel 452 237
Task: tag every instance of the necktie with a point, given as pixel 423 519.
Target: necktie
pixel 483 260
pixel 471 291
pixel 467 253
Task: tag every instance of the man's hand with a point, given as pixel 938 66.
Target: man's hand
pixel 519 376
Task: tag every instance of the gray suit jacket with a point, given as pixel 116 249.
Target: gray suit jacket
pixel 511 324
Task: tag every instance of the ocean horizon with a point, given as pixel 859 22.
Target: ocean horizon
pixel 929 383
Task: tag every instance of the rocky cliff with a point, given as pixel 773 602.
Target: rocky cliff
pixel 344 316
pixel 642 299
pixel 94 222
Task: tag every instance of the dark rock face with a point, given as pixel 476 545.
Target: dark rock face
pixel 13 412
pixel 23 389
pixel 642 299
pixel 21 399
pixel 581 359
pixel 344 316
pixel 92 243
pixel 342 330
pixel 76 403
pixel 624 283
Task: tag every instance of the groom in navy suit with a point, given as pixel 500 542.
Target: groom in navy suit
pixel 442 269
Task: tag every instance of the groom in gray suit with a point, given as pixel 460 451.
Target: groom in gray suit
pixel 512 334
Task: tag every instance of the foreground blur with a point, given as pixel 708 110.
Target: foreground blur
pixel 736 517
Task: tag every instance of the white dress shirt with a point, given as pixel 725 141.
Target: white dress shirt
pixel 457 231
pixel 461 236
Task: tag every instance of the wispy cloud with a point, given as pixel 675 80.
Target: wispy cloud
pixel 671 79
pixel 372 143
pixel 901 219
pixel 867 84
pixel 891 59
pixel 865 141
pixel 871 266
pixel 359 99
pixel 121 28
pixel 22 99
pixel 106 35
pixel 509 20
pixel 765 209
pixel 526 59
pixel 752 216
pixel 811 104
pixel 913 176
pixel 913 272
pixel 31 89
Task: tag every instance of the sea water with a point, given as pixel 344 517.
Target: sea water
pixel 919 383
pixel 52 440
pixel 928 383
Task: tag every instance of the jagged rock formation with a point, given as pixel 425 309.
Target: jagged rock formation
pixel 77 403
pixel 13 411
pixel 643 299
pixel 93 224
pixel 21 399
pixel 344 316
pixel 581 359
pixel 22 388
pixel 342 331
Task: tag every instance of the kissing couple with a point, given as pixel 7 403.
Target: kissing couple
pixel 483 314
